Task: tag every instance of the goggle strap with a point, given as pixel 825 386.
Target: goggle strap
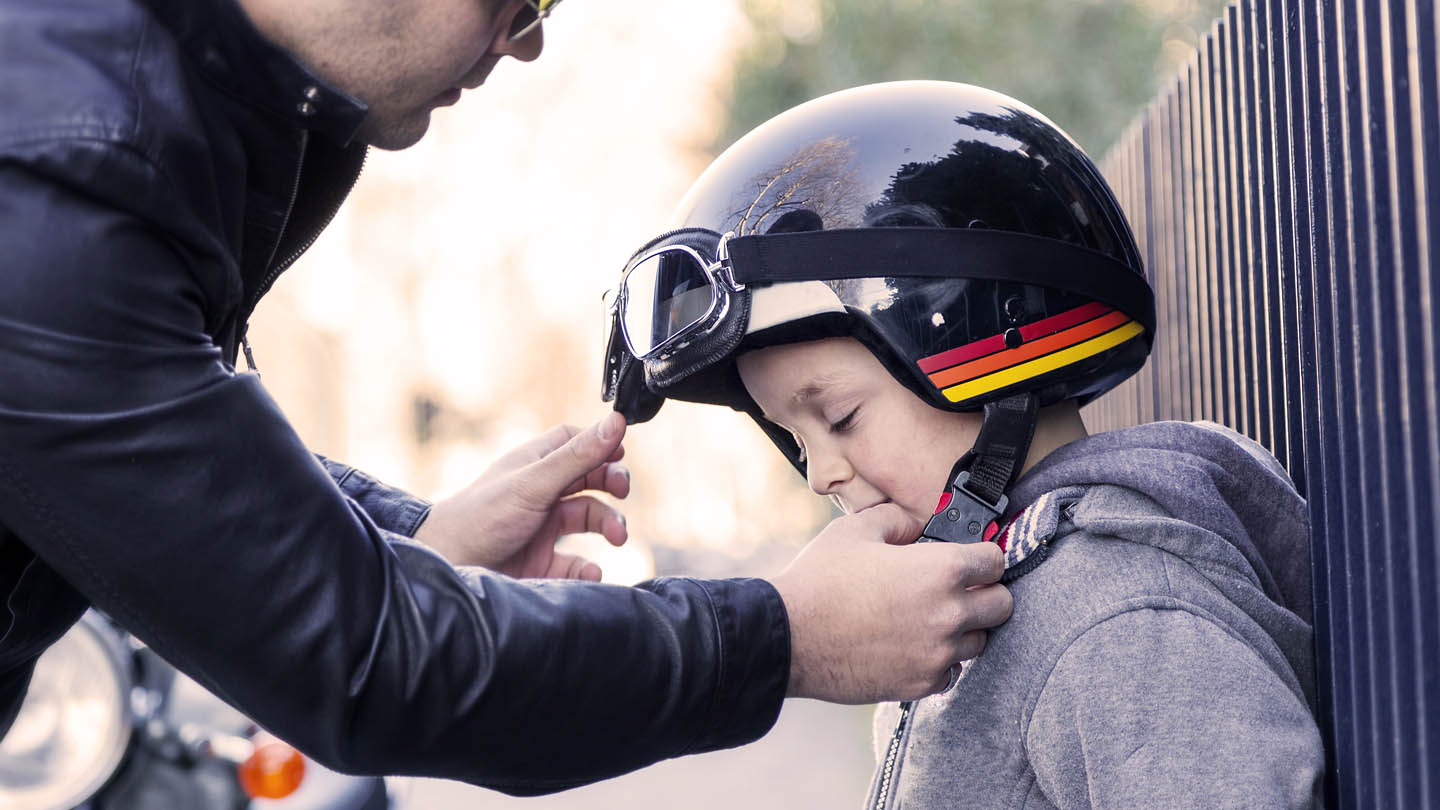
pixel 849 253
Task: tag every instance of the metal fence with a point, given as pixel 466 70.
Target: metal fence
pixel 1283 190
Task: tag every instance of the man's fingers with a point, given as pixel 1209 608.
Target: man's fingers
pixel 535 449
pixel 967 647
pixel 571 566
pixel 610 478
pixel 977 563
pixel 617 480
pixel 574 459
pixel 583 513
pixel 970 645
pixel 893 524
pixel 989 606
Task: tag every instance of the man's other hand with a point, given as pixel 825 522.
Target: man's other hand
pixel 874 616
pixel 509 519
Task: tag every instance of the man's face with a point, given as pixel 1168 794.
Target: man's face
pixel 402 57
pixel 867 438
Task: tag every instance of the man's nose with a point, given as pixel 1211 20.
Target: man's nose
pixel 526 48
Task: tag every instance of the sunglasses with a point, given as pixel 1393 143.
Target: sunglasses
pixel 530 16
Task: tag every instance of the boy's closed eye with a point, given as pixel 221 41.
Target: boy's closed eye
pixel 845 422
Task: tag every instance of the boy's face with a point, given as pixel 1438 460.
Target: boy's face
pixel 867 438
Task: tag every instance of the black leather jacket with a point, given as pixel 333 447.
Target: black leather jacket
pixel 160 164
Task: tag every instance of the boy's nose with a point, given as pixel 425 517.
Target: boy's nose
pixel 826 473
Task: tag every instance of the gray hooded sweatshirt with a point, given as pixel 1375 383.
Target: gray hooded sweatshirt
pixel 1159 655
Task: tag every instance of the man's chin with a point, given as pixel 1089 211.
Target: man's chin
pixel 396 133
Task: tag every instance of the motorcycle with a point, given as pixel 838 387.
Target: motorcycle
pixel 110 725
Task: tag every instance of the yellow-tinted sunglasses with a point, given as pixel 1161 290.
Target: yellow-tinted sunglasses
pixel 530 17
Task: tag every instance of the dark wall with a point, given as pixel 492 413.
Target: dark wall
pixel 1286 191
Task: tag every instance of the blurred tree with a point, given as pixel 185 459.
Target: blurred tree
pixel 1089 65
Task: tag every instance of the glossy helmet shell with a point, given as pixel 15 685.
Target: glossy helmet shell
pixel 932 155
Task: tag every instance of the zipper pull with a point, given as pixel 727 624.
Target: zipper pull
pixel 904 718
pixel 249 355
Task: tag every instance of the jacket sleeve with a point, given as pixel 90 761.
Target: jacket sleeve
pixel 173 495
pixel 1163 708
pixel 393 510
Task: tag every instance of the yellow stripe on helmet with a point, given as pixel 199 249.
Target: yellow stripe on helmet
pixel 1041 365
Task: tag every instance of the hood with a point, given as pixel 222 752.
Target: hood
pixel 1248 530
pixel 1206 475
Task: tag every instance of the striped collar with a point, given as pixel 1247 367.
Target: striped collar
pixel 1025 539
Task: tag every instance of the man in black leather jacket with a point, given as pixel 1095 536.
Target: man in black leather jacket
pixel 161 162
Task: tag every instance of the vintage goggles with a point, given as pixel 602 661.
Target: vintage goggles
pixel 675 296
pixel 666 293
pixel 530 17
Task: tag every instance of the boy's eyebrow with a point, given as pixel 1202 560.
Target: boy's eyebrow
pixel 808 392
pixel 814 388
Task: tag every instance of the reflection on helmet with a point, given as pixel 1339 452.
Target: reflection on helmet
pixel 911 153
pixel 931 155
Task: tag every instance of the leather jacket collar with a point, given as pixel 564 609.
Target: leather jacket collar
pixel 229 51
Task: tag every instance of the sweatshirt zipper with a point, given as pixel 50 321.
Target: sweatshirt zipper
pixel 885 784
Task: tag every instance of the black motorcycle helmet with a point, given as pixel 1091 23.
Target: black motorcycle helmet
pixel 957 233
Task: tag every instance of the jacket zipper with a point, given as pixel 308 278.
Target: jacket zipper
pixel 885 784
pixel 279 267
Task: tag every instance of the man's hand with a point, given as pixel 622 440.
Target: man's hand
pixel 509 519
pixel 874 617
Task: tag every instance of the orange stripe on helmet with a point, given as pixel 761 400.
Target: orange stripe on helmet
pixel 1028 351
pixel 996 343
pixel 1043 365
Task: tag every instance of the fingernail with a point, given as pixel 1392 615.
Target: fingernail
pixel 607 427
pixel 622 519
pixel 625 471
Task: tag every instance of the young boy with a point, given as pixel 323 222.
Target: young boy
pixel 913 288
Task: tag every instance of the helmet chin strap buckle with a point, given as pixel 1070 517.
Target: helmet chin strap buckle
pixel 975 496
pixel 962 516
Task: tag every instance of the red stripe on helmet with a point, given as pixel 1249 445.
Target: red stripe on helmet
pixel 996 343
pixel 1029 350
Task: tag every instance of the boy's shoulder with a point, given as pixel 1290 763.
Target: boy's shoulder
pixel 1083 553
pixel 1076 556
pixel 1106 551
pixel 1115 581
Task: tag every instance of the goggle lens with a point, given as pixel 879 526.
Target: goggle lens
pixel 663 295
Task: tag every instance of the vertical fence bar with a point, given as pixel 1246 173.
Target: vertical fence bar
pixel 1272 231
pixel 1423 77
pixel 1287 410
pixel 1284 189
pixel 1310 250
pixel 1238 79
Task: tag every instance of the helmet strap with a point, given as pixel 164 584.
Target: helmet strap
pixel 975 496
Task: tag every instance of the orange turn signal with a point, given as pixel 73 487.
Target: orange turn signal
pixel 274 771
